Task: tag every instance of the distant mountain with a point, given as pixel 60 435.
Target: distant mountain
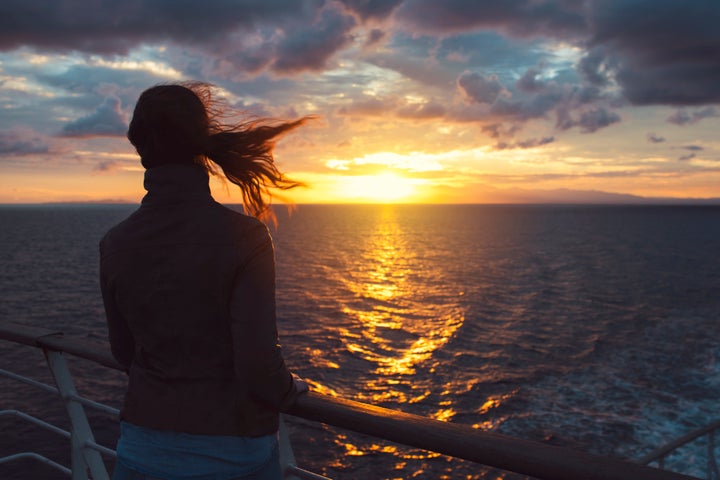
pixel 564 195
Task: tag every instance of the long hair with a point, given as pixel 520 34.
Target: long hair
pixel 183 123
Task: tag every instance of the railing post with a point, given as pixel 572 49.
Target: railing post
pixel 83 458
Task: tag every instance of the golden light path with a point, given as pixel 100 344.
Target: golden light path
pixel 402 311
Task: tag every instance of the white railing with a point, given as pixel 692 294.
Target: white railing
pixel 535 459
pixel 84 450
pixel 661 454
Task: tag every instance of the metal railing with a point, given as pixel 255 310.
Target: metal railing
pixel 661 454
pixel 535 459
pixel 84 451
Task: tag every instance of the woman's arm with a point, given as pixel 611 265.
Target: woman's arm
pixel 122 343
pixel 258 356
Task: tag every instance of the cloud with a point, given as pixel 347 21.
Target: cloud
pixel 683 117
pixel 498 130
pixel 593 67
pixel 529 82
pixel 375 37
pixel 21 141
pixel 687 157
pixel 652 138
pixel 519 17
pixel 660 52
pixel 311 47
pixel 110 27
pixel 372 9
pixel 583 106
pixel 597 118
pixel 693 149
pixel 530 143
pixel 248 36
pixel 105 166
pixel 481 88
pixel 108 120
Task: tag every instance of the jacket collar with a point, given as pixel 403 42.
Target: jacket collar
pixel 175 183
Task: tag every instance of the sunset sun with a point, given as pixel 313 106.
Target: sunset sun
pixel 385 187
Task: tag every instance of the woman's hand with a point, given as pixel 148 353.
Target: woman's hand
pixel 300 385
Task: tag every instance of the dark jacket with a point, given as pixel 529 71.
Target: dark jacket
pixel 189 293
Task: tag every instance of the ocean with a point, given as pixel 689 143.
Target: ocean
pixel 592 327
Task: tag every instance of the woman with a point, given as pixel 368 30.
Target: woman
pixel 189 292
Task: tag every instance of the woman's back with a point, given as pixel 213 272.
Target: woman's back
pixel 181 269
pixel 189 293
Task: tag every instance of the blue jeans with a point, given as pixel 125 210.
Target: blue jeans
pixel 270 471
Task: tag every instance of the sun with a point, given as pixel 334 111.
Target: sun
pixel 385 187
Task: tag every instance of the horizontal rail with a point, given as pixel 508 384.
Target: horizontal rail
pixel 29 381
pixel 47 388
pixel 95 405
pixel 35 421
pixel 38 457
pixel 63 433
pixel 665 450
pixel 521 456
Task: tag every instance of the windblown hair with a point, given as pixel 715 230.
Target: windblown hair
pixel 182 123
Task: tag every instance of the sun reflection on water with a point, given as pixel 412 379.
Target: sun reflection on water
pixel 402 310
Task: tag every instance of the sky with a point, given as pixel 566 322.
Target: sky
pixel 421 101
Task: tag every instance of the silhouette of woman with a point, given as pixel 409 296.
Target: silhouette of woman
pixel 189 293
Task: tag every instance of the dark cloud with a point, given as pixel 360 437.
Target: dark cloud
pixel 683 117
pixel 693 149
pixel 660 52
pixel 372 9
pixel 530 143
pixel 687 157
pixel 652 138
pixel 586 107
pixel 225 37
pixel 480 88
pixel 21 141
pixel 111 27
pixel 528 107
pixel 311 47
pixel 597 118
pixel 106 166
pixel 498 130
pixel 375 37
pixel 108 120
pixel 529 81
pixel 654 52
pixel 589 120
pixel 519 17
pixel 593 67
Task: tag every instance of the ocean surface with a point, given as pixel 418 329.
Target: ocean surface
pixel 593 327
